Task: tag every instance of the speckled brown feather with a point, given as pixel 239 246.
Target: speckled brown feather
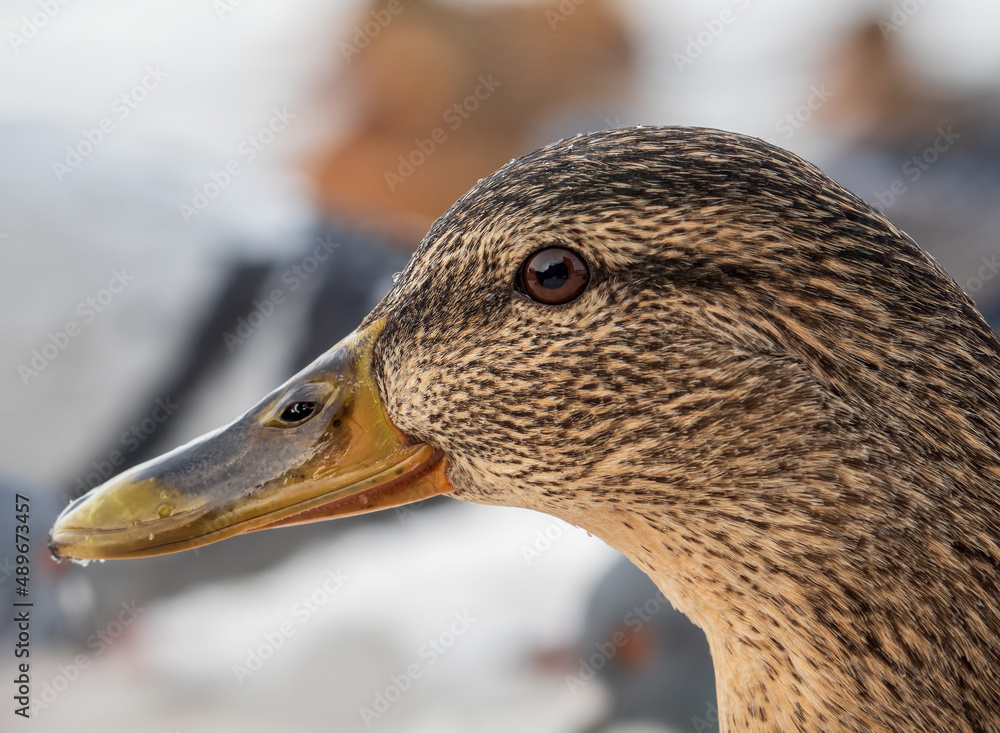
pixel 769 398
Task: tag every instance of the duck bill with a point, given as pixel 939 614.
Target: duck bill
pixel 274 466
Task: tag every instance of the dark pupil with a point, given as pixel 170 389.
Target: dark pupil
pixel 554 276
pixel 298 411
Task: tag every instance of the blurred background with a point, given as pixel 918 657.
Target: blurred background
pixel 198 198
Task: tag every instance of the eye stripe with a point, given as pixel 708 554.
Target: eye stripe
pixel 553 276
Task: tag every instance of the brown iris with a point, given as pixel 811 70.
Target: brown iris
pixel 554 275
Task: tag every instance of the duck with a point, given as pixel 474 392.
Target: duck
pixel 699 348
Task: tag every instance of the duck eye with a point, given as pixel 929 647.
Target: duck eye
pixel 297 412
pixel 554 275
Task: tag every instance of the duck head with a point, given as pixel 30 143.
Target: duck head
pixel 699 348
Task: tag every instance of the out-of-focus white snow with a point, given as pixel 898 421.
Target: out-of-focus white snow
pixel 334 624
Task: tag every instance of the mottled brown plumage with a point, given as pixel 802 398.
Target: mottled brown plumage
pixel 769 398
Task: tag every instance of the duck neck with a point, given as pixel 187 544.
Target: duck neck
pixel 769 685
pixel 838 635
